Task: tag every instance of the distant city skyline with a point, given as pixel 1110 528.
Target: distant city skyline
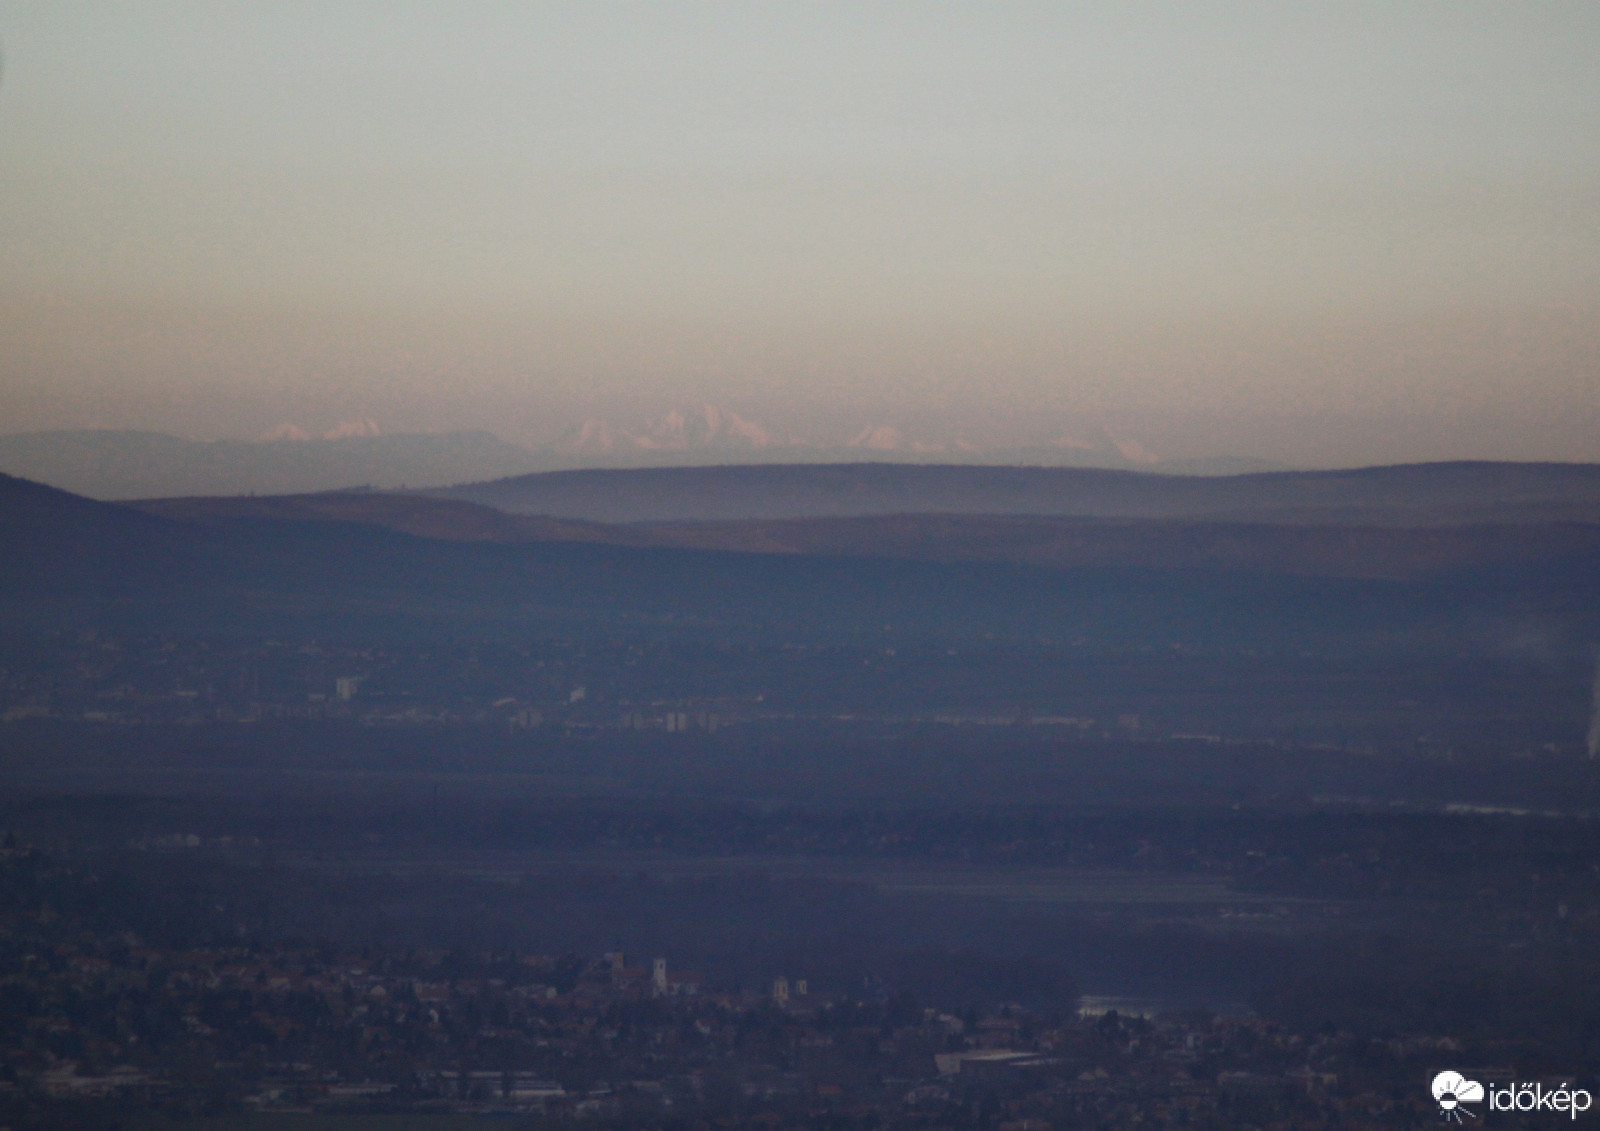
pixel 1325 235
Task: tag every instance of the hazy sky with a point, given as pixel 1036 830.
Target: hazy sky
pixel 1320 233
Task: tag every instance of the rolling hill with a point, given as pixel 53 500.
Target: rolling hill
pixel 422 515
pixel 73 562
pixel 1035 540
pixel 58 542
pixel 1437 494
pixel 112 464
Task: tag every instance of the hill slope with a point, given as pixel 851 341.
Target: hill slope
pixel 130 465
pixel 421 515
pixel 1405 495
pixel 1048 541
pixel 58 542
pixel 75 562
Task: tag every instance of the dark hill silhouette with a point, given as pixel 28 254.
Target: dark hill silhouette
pixel 1404 495
pixel 123 464
pixel 421 515
pixel 1069 543
pixel 58 542
pixel 1049 541
pixel 71 561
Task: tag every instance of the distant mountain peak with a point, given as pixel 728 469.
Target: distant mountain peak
pixel 705 427
pixel 350 429
pixel 887 438
pixel 287 433
pixel 714 434
pixel 1135 452
pixel 1101 442
pixel 591 436
pixel 879 438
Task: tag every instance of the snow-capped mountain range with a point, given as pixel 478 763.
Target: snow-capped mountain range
pixel 702 428
pixel 712 431
pixel 709 428
pixel 344 430
pixel 128 464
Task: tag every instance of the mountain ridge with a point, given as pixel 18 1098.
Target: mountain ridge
pixel 131 464
pixel 1053 542
pixel 74 563
pixel 1446 493
pixel 114 464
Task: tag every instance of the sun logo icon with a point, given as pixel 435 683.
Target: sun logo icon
pixel 1452 1090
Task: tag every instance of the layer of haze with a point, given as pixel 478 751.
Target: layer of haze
pixel 1319 233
